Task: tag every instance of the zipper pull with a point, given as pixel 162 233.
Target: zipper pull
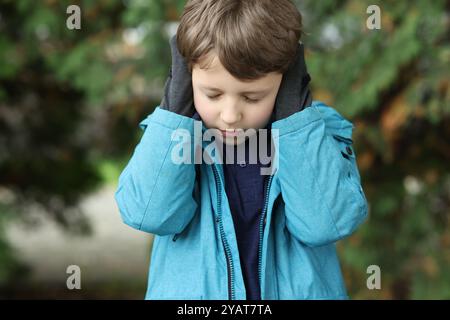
pixel 175 237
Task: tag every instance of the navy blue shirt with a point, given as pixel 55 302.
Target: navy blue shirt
pixel 244 186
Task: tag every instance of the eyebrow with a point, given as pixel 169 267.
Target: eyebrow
pixel 244 92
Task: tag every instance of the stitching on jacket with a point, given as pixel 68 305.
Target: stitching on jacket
pixel 156 179
pixel 318 187
pixel 299 129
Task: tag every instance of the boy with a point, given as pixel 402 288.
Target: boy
pixel 225 231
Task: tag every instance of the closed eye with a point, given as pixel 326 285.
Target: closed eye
pixel 213 97
pixel 251 100
pixel 245 98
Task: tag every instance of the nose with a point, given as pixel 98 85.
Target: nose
pixel 230 116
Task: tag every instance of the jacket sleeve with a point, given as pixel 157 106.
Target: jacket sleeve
pixel 155 193
pixel 318 176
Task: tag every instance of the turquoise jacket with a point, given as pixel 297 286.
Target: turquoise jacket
pixel 313 199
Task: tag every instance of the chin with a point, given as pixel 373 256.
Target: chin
pixel 233 141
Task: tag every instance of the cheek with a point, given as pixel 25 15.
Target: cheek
pixel 203 107
pixel 262 116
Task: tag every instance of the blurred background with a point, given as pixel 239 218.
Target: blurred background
pixel 71 101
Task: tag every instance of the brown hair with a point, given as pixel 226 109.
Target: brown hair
pixel 250 37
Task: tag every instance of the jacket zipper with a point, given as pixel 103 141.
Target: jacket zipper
pixel 261 228
pixel 230 268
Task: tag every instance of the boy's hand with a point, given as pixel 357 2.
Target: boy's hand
pixel 178 95
pixel 294 94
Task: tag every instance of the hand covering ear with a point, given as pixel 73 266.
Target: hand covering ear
pixel 178 94
pixel 294 93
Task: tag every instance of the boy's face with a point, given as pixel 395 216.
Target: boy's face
pixel 226 103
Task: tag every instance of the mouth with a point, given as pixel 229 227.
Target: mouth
pixel 231 132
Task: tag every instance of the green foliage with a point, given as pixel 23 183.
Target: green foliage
pixel 394 84
pixel 70 100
